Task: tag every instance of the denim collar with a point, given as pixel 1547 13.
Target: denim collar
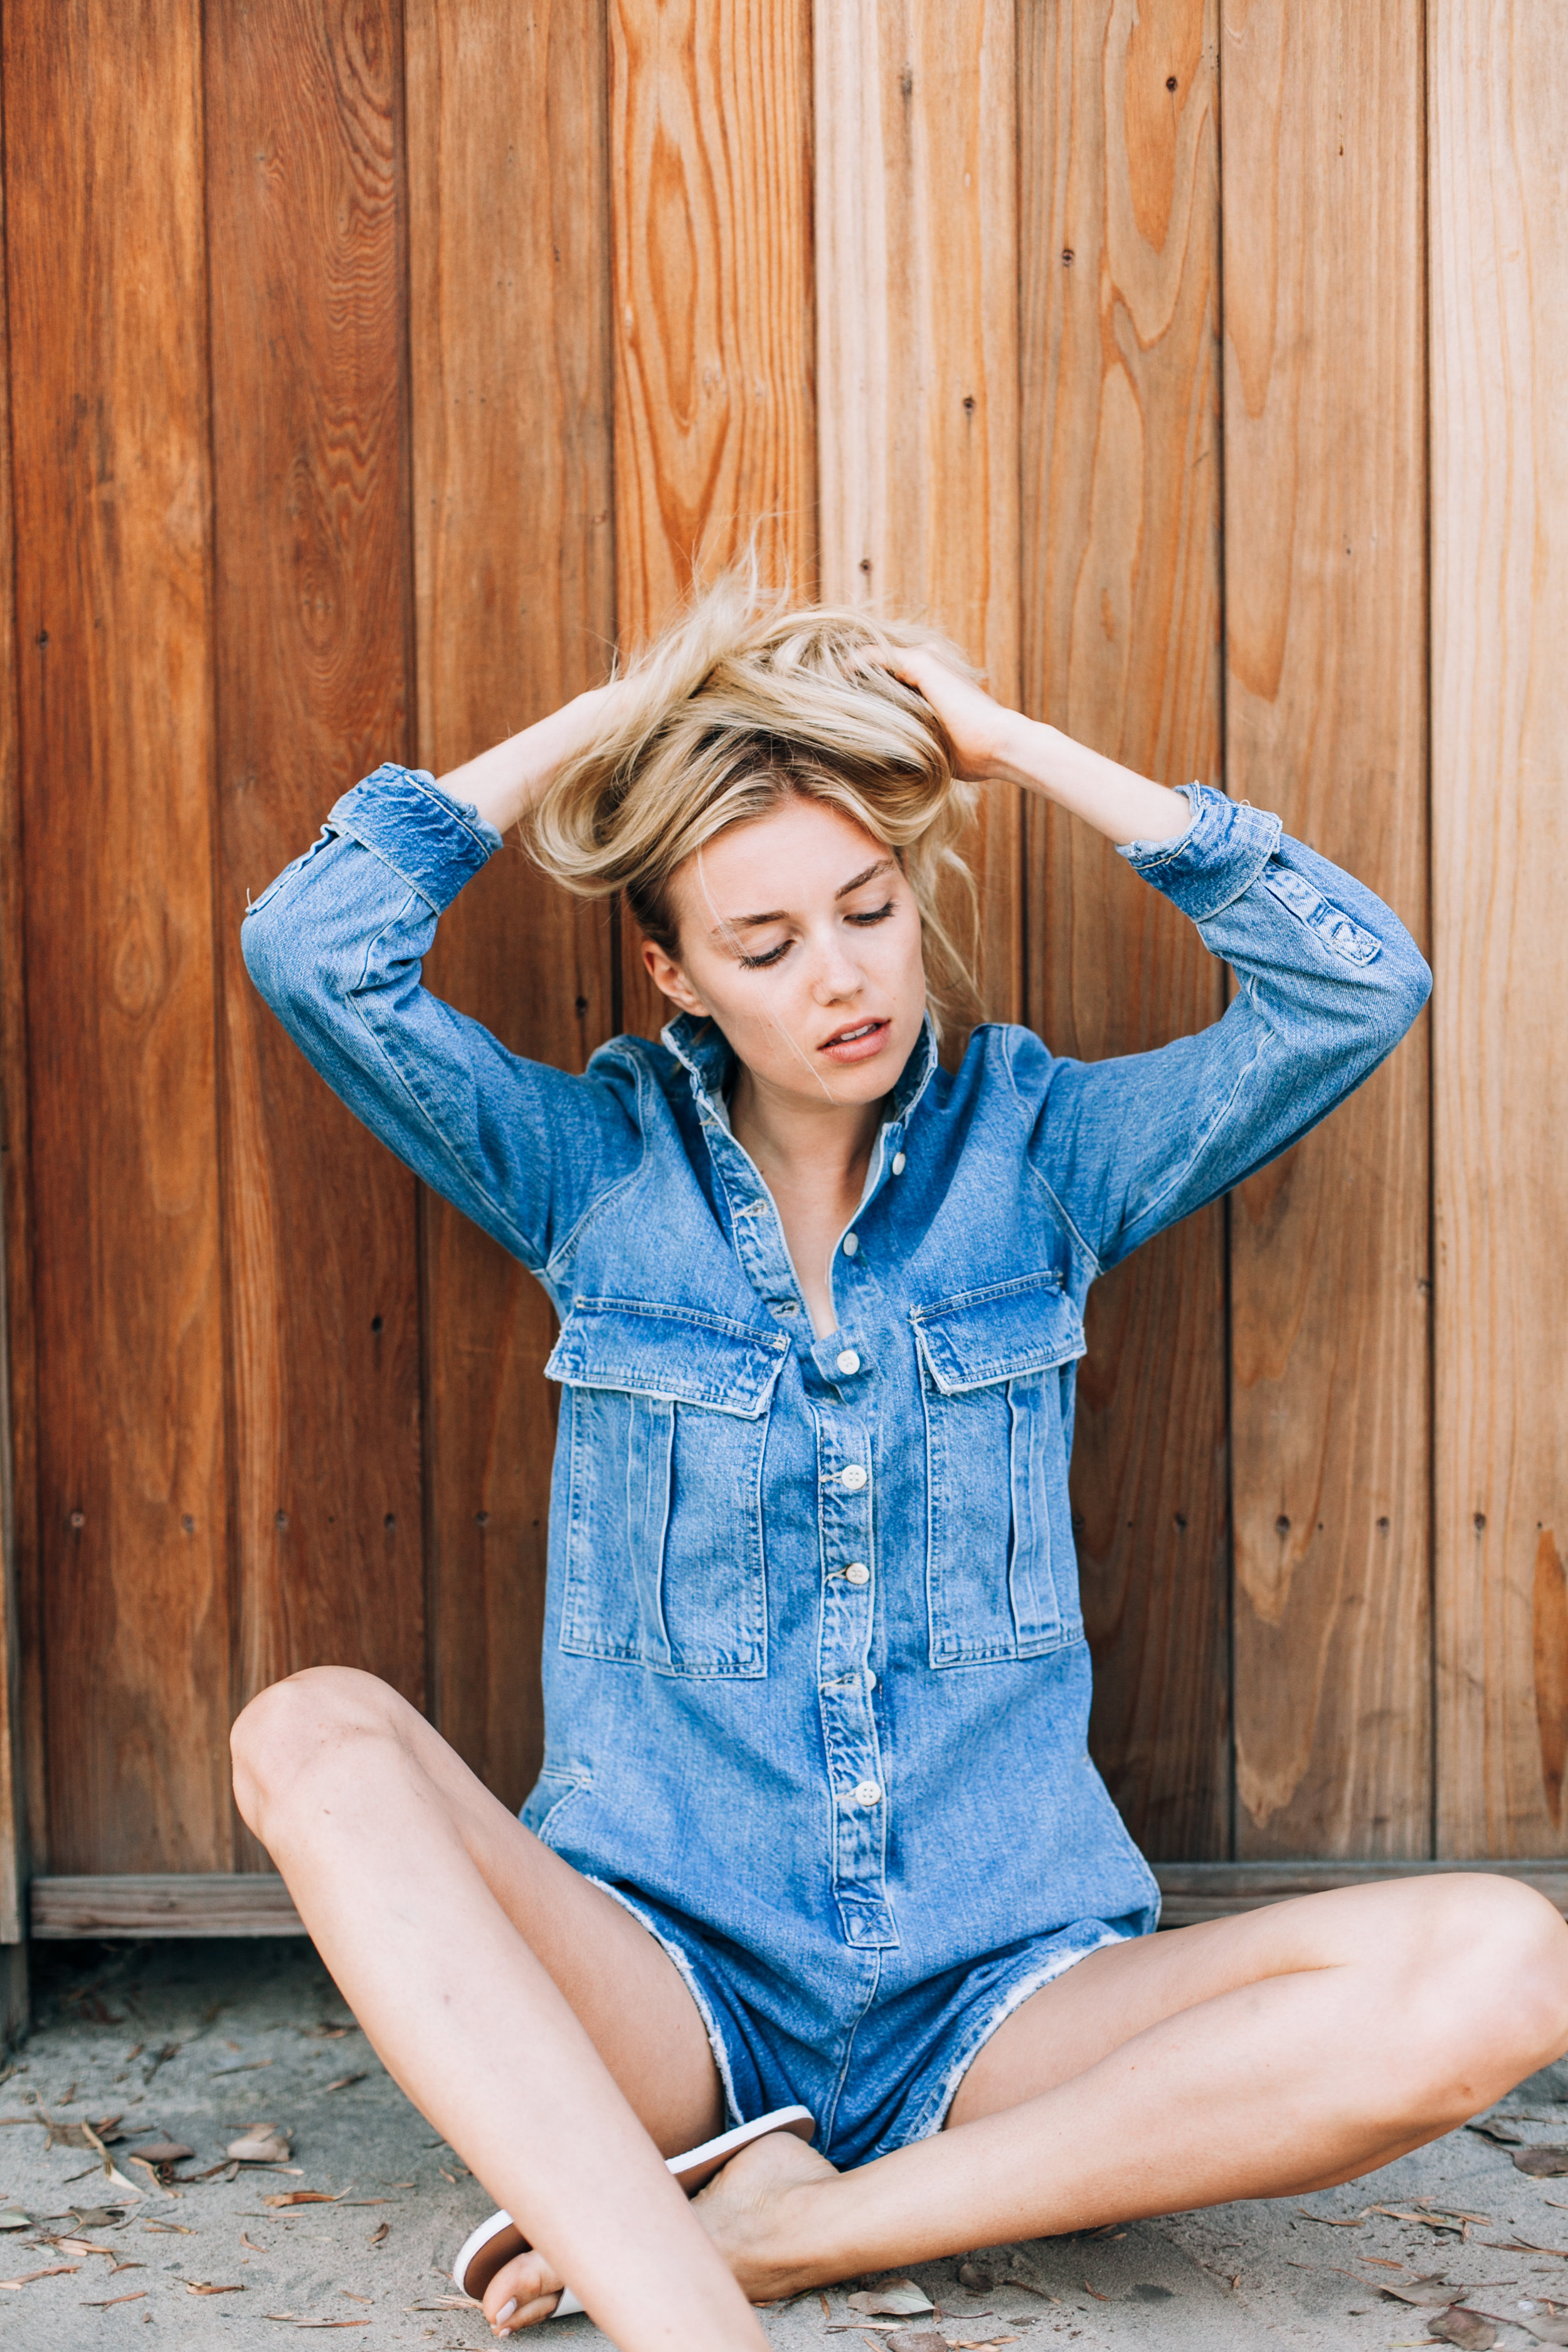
pixel 704 1051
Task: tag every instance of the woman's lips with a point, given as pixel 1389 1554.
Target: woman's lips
pixel 856 1042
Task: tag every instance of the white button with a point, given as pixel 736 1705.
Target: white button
pixel 897 1164
pixel 856 1573
pixel 850 1244
pixel 854 1478
pixel 866 1792
pixel 871 1680
pixel 848 1361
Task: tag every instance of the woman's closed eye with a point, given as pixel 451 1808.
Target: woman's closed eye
pixel 774 955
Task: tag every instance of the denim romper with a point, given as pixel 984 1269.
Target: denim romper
pixel 816 1679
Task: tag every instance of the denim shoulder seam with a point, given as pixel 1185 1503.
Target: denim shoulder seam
pixel 1153 1207
pixel 1046 1186
pixel 427 1117
pixel 555 1262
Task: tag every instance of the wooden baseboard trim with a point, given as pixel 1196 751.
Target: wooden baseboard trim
pixel 257 1904
pixel 172 1902
pixel 1195 1891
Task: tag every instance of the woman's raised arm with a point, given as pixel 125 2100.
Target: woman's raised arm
pixel 336 947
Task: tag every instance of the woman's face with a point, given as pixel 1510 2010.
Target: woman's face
pixel 801 938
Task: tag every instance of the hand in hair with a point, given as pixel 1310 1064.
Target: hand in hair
pixel 978 726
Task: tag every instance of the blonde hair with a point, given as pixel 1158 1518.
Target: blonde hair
pixel 742 703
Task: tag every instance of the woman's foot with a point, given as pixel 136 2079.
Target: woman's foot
pixel 757 2214
pixel 523 2292
pixel 751 2210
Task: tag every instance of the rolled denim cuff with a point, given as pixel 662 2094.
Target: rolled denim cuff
pixel 430 841
pixel 1219 856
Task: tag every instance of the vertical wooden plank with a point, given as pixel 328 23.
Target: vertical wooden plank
pixel 510 274
pixel 709 167
pixel 314 606
pixel 1119 259
pixel 105 276
pixel 1325 597
pixel 1498 83
pixel 21 1714
pixel 917 296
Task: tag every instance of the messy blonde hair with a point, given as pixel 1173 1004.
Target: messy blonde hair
pixel 744 701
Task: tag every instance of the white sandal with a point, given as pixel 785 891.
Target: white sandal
pixel 499 2240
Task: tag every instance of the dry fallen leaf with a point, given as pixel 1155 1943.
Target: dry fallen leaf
pixel 1542 2163
pixel 152 2172
pixel 206 2286
pixel 301 2196
pixel 344 2082
pixel 1334 2221
pixel 1466 2328
pixel 1435 2220
pixel 161 2151
pixel 250 2066
pixel 902 2297
pixel 262 2144
pixel 1523 2246
pixel 378 2234
pixel 1503 2134
pixel 50 2270
pixel 915 2339
pixel 1424 2291
pixel 246 2240
pixel 80 2246
pixel 139 2296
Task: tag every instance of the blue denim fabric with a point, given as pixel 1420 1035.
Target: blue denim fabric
pixel 816 1686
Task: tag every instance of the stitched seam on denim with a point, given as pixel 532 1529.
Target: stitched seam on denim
pixel 1029 1162
pixel 824 2129
pixel 383 1051
pixel 440 801
pixel 345 828
pixel 688 1977
pixel 1032 1981
pixel 1261 859
pixel 1152 1208
pixel 632 1176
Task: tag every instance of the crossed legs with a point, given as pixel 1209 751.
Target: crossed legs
pixel 554 2044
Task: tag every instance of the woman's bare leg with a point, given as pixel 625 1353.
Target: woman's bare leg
pixel 1259 2056
pixel 529 2016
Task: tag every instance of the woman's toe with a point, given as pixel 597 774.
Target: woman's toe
pixel 522 2292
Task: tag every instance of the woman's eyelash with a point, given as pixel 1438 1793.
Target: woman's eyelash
pixel 761 962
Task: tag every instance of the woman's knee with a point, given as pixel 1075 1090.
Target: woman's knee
pixel 1492 1961
pixel 297 1724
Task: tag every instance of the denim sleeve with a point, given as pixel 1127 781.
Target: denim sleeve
pixel 1330 979
pixel 335 946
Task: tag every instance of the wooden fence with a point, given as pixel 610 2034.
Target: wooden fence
pixel 373 368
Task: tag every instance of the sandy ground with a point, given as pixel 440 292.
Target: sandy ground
pixel 193 2043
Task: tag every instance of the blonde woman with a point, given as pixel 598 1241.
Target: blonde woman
pixel 817 1849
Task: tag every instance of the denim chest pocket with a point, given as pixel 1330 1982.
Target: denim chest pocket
pixel 665 1565
pixel 1001 1574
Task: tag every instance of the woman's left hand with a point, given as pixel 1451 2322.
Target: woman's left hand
pixel 978 726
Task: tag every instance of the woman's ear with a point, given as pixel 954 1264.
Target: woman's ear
pixel 670 981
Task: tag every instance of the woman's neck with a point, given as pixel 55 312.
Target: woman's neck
pixel 812 1160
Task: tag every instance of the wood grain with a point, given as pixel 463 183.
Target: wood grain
pixel 1322 204
pixel 109 437
pixel 916 309
pixel 1119 264
pixel 709 130
pixel 158 1905
pixel 21 1711
pixel 515 612
pixel 1498 78
pixel 314 613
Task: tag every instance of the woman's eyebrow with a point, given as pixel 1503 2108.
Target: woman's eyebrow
pixel 882 866
pixel 781 914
